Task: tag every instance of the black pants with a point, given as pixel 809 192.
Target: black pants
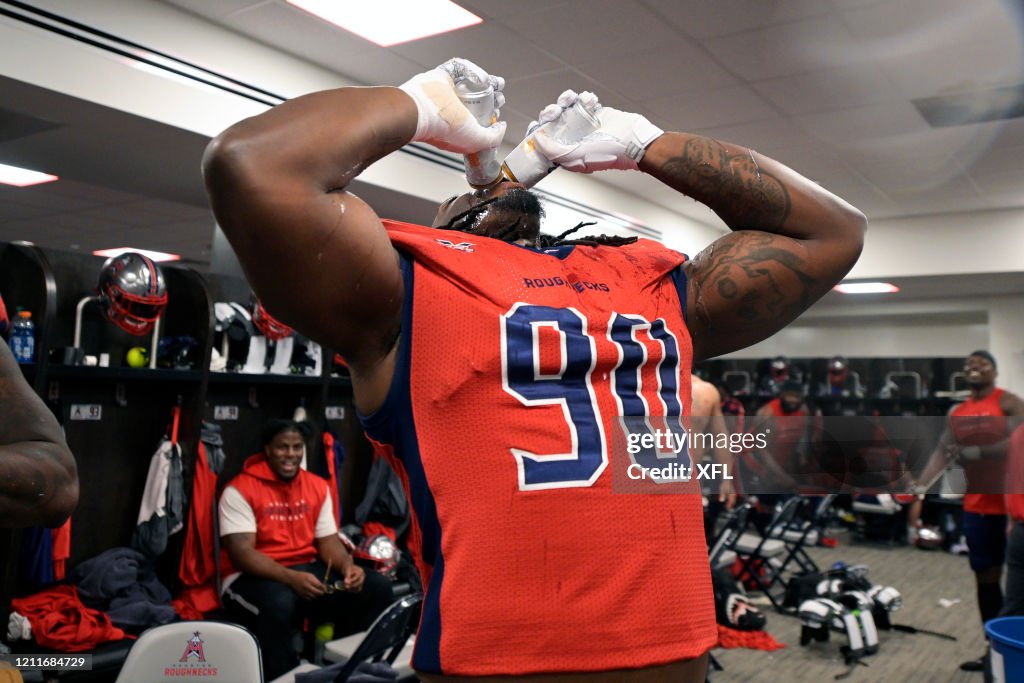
pixel 275 613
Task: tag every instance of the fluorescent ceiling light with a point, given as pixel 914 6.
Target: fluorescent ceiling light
pixel 866 288
pixel 155 255
pixel 23 177
pixel 390 22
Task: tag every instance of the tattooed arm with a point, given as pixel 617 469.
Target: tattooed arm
pixel 38 476
pixel 792 240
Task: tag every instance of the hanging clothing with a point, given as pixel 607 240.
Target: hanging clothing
pixel 61 538
pixel 385 501
pixel 198 567
pixel 334 454
pixel 160 513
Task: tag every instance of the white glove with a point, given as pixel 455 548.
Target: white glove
pixel 444 121
pixel 619 142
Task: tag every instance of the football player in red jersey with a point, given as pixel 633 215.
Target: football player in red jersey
pixel 977 436
pixel 488 365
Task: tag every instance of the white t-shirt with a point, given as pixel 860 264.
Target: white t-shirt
pixel 237 517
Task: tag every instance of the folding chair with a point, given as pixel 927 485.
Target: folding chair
pixel 879 516
pixel 720 553
pixel 798 538
pixel 190 649
pixel 761 553
pixel 386 639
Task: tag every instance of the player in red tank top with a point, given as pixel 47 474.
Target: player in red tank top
pixel 490 360
pixel 977 437
pixel 787 433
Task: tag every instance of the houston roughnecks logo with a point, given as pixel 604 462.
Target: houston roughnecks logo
pixel 193 648
pixel 461 246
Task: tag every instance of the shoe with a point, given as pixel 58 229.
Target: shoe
pixel 973 665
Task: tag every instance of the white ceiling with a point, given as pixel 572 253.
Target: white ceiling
pixel 823 85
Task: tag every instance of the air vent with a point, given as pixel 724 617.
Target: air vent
pixel 14 125
pixel 996 104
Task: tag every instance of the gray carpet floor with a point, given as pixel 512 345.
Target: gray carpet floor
pixel 923 577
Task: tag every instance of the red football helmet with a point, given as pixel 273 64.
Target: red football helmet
pixel 132 292
pixel 271 328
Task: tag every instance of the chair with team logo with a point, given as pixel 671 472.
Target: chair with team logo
pixel 192 650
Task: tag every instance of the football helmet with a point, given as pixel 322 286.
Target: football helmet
pixel 132 292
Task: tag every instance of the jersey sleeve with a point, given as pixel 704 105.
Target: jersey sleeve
pixel 325 525
pixel 235 514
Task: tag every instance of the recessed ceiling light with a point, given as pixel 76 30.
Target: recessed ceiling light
pixel 866 288
pixel 155 255
pixel 23 177
pixel 390 22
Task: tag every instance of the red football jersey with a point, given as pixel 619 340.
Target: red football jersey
pixel 979 423
pixel 787 434
pixel 512 367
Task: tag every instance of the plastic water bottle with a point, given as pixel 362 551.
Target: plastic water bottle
pixel 526 165
pixel 23 337
pixel 483 167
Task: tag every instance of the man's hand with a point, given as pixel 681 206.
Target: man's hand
pixel 306 585
pixel 354 578
pixel 443 120
pixel 619 141
pixel 727 494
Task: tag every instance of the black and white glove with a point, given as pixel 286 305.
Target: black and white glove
pixel 443 120
pixel 619 142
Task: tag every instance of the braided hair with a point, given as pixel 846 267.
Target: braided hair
pixel 548 241
pixel 466 222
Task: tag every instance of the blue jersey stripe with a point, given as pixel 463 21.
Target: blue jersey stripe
pixel 393 424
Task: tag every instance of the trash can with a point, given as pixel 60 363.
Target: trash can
pixel 1007 637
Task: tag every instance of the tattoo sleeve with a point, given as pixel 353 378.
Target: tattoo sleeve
pixel 730 182
pixel 760 280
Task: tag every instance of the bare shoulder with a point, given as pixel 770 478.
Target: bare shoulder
pixel 1012 404
pixel 704 395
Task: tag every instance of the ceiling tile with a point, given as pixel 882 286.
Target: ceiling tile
pixel 979 161
pixel 919 176
pixel 684 67
pixel 529 95
pixel 926 21
pixel 702 19
pixel 723 17
pixel 221 8
pixel 308 37
pixel 491 45
pixel 798 47
pixel 766 135
pixel 498 9
pixel 833 88
pixel 577 32
pixel 715 108
pixel 852 127
pixel 929 47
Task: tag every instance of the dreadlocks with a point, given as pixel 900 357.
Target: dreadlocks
pixel 548 241
pixel 523 203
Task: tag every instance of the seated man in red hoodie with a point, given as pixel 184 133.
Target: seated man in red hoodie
pixel 280 538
